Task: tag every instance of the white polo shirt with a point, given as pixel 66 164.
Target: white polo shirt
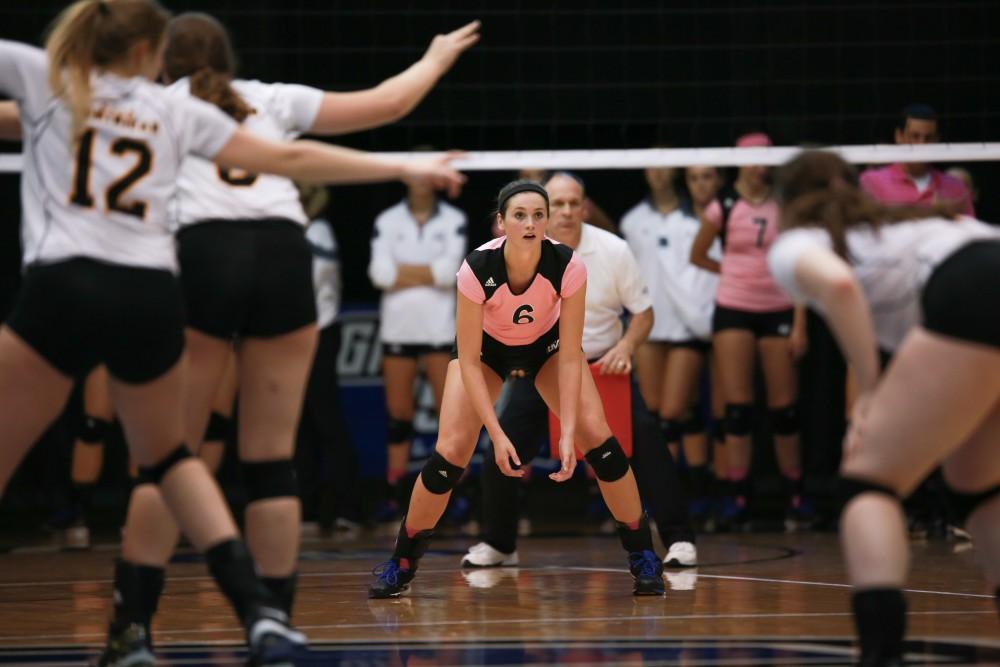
pixel 683 294
pixel 425 314
pixel 614 285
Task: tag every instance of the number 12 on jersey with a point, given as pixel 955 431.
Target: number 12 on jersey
pixel 115 194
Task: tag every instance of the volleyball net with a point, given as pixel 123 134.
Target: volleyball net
pixel 641 158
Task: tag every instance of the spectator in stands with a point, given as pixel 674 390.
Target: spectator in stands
pixel 916 182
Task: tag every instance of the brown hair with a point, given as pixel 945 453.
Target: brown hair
pixel 819 189
pixel 94 34
pixel 198 47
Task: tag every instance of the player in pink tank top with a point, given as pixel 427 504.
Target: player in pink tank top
pixel 753 314
pixel 520 311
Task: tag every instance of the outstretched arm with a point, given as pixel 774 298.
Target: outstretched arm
pixel 314 161
pixel 395 97
pixel 10 121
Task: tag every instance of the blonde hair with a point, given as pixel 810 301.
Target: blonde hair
pixel 94 34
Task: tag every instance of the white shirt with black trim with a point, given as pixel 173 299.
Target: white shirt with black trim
pixel 683 294
pixel 281 112
pixel 891 263
pixel 425 314
pixel 614 285
pixel 104 196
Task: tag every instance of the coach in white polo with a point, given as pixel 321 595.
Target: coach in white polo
pixel 614 285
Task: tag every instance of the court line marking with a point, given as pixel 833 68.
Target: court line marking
pixel 782 581
pixel 514 621
pixel 546 569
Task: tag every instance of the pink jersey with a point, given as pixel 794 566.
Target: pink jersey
pixel 520 319
pixel 746 282
pixel 892 185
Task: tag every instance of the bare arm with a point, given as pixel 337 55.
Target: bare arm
pixel 570 365
pixel 397 96
pixel 829 282
pixel 10 121
pixel 469 335
pixel 314 161
pixel 707 234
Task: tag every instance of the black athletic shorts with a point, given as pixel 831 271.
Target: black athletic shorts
pixel 413 350
pixel 527 359
pixel 80 313
pixel 761 325
pixel 247 278
pixel 962 296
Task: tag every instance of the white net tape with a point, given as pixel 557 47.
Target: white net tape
pixel 640 158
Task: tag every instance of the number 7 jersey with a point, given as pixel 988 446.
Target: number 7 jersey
pixel 104 196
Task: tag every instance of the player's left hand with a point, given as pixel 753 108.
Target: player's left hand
pixel 616 361
pixel 567 457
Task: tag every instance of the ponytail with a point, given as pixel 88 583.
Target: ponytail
pixel 214 87
pixel 198 47
pixel 70 48
pixel 92 35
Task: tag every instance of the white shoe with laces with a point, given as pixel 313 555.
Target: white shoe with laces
pixel 483 555
pixel 681 554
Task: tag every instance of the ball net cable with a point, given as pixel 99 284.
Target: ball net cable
pixel 640 158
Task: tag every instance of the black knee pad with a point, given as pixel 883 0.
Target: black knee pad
pixel 671 429
pixel 400 430
pixel 218 427
pixel 962 505
pixel 608 460
pixel 154 474
pixel 694 424
pixel 439 476
pixel 92 430
pixel 784 421
pixel 739 419
pixel 269 479
pixel 849 488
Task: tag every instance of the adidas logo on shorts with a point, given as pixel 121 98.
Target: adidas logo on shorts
pixel 490 282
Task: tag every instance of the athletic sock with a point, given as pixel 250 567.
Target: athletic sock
pixel 635 536
pixel 233 570
pixel 880 618
pixel 137 590
pixel 698 476
pixel 410 547
pixel 283 589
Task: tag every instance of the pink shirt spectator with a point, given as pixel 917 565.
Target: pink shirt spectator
pixel 892 185
pixel 520 319
pixel 746 283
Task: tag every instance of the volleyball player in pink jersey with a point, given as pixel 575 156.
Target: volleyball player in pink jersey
pixel 520 312
pixel 753 314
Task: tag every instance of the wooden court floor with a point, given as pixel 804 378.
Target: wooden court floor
pixel 755 599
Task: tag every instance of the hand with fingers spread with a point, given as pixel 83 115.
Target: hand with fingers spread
pixel 445 49
pixel 567 457
pixel 436 172
pixel 506 456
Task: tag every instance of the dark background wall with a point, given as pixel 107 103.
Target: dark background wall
pixel 591 74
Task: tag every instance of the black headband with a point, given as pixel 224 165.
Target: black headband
pixel 523 187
